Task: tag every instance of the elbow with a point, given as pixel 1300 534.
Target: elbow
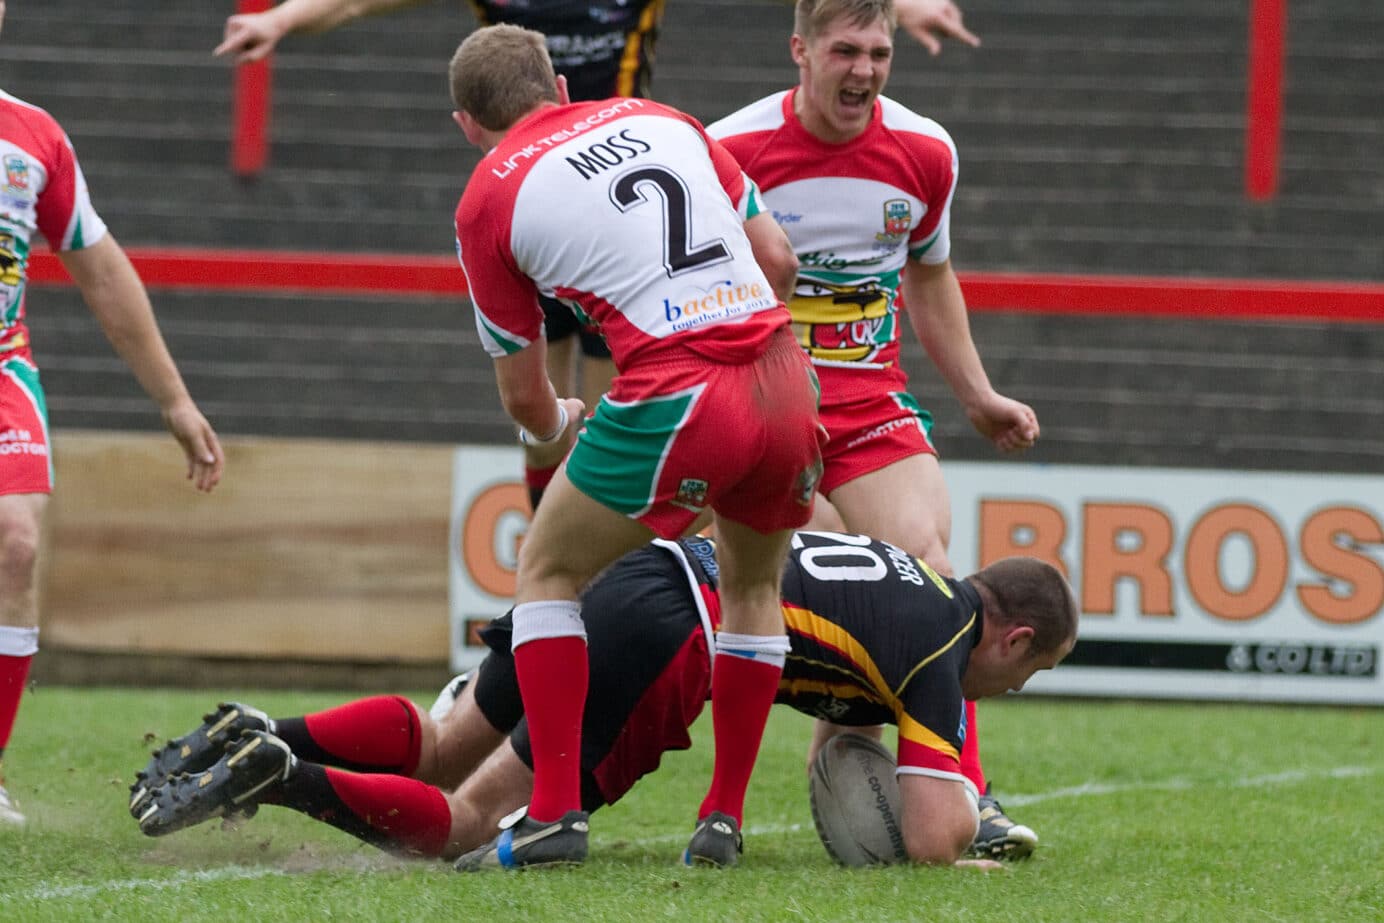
pixel 782 273
pixel 934 855
pixel 937 847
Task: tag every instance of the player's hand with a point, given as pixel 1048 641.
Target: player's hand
pixel 250 37
pixel 205 460
pixel 552 454
pixel 1009 424
pixel 985 865
pixel 930 21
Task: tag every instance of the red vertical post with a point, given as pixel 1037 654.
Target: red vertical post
pixel 250 108
pixel 1264 116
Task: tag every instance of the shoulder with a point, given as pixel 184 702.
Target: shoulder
pixel 914 130
pixel 30 119
pixel 761 115
pixel 10 103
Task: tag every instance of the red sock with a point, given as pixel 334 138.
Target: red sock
pixel 379 734
pixel 970 750
pixel 13 672
pixel 553 676
pixel 396 814
pixel 741 694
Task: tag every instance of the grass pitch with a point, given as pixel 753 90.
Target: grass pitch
pixel 1145 811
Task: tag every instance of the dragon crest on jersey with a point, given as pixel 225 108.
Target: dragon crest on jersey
pixel 16 172
pixel 898 220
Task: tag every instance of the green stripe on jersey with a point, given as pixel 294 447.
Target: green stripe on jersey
pixel 501 338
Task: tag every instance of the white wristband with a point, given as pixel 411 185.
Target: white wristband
pixel 528 438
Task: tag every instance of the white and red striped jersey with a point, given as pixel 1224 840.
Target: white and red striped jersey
pixel 855 212
pixel 43 191
pixel 627 211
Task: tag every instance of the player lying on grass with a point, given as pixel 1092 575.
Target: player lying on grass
pixel 876 636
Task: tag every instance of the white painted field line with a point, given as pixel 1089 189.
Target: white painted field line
pixel 1287 777
pixel 244 873
pixel 1086 790
pixel 175 881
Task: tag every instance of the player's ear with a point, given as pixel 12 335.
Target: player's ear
pixel 1019 639
pixel 469 127
pixel 563 97
pixel 797 48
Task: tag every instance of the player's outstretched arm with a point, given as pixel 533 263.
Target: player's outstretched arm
pixel 252 36
pixel 937 310
pixel 116 296
pixel 931 21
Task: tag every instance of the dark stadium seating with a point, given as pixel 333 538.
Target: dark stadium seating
pixel 1094 138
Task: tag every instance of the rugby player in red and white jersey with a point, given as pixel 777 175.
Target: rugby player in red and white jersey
pixel 44 191
pixel 876 637
pixel 604 48
pixel 626 210
pixel 863 187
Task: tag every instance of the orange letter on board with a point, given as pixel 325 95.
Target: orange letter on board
pixel 1321 550
pixel 1203 568
pixel 1017 527
pixel 478 533
pixel 1104 562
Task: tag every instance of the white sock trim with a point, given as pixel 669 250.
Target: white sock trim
pixel 18 642
pixel 770 649
pixel 548 618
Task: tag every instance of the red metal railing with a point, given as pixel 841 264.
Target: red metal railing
pixel 1264 106
pixel 372 273
pixel 250 108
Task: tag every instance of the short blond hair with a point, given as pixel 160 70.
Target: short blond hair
pixel 500 73
pixel 812 17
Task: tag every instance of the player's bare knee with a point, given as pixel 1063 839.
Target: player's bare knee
pixel 545 567
pixel 19 541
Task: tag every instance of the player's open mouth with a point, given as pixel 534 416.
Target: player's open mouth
pixel 854 99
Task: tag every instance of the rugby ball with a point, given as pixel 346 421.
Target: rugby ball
pixel 855 801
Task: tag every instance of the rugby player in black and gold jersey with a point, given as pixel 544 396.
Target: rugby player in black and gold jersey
pixel 876 638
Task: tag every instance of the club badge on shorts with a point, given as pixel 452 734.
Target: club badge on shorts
pixel 691 494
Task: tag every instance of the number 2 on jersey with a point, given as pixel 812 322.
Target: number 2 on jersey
pixel 631 189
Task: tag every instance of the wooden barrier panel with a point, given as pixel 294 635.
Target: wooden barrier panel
pixel 309 550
